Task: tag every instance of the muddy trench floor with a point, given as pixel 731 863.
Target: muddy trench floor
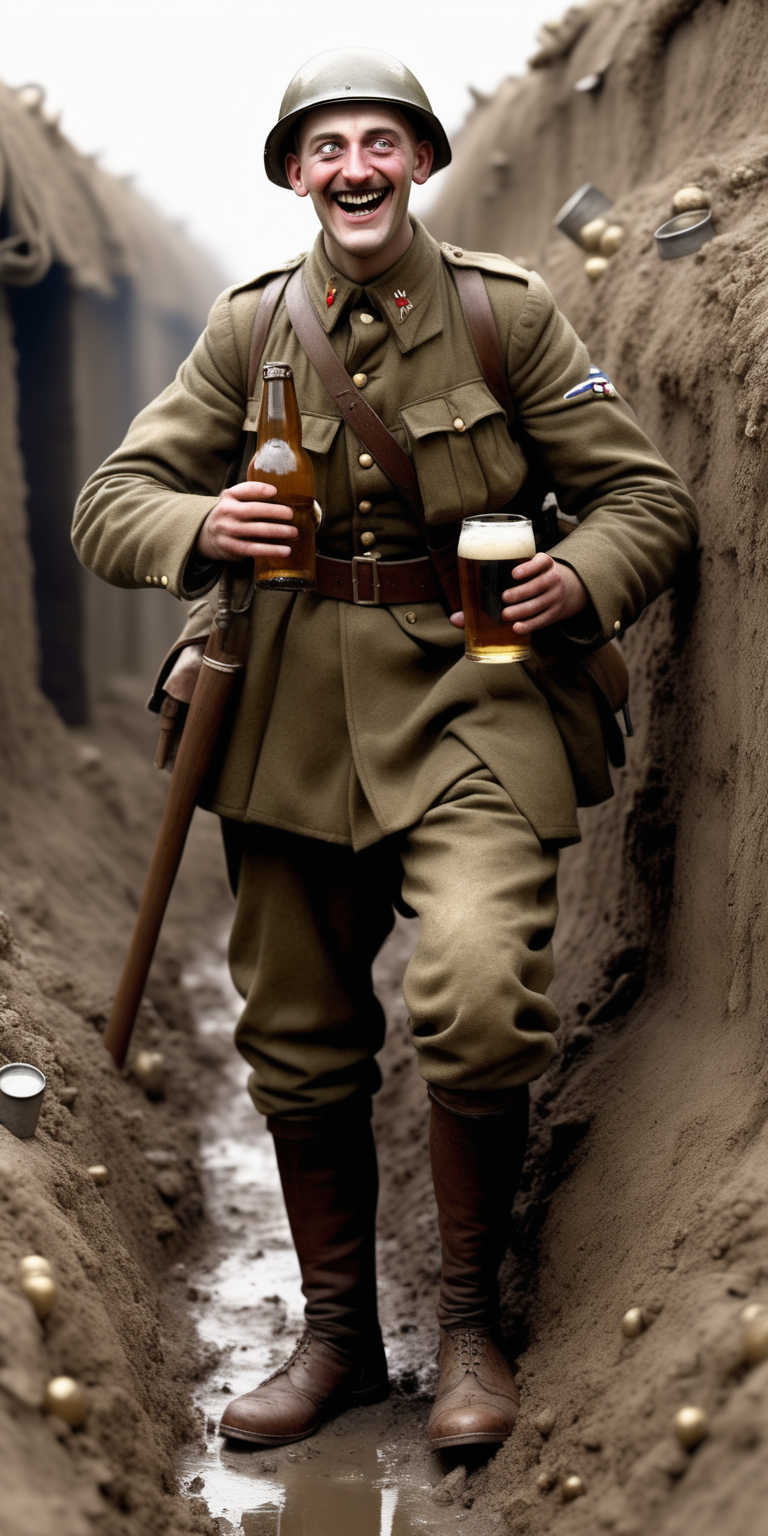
pixel 368 1471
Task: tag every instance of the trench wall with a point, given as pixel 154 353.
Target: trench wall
pixel 650 1132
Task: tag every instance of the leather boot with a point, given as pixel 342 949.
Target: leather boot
pixel 330 1184
pixel 477 1146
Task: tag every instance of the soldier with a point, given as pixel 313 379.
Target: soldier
pixel 368 765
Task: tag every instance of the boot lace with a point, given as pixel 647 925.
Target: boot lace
pixel 300 1349
pixel 470 1345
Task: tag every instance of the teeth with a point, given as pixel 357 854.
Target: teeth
pixel 359 199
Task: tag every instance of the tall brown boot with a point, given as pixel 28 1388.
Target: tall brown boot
pixel 330 1184
pixel 477 1146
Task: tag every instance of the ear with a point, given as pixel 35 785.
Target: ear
pixel 293 172
pixel 422 162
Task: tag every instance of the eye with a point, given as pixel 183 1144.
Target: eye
pixel 382 144
pixel 330 147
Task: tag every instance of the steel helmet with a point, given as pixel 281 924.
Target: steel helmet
pixel 351 74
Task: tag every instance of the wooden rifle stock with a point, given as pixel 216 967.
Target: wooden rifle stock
pixel 198 740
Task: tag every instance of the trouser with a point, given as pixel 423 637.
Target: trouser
pixel 312 916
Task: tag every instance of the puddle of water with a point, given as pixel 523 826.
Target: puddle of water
pixel 368 1472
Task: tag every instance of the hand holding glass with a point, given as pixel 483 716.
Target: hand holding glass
pixel 490 546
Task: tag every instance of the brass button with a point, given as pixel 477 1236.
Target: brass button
pixel 458 253
pixel 367 539
pixel 360 380
pixel 410 617
pixel 365 506
pixel 366 318
pixel 163 581
pixel 148 580
pixel 365 461
pixel 617 626
pixel 155 581
pixel 458 425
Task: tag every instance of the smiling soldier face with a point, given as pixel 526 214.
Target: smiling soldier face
pixel 357 163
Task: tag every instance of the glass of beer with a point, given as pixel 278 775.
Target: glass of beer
pixel 490 547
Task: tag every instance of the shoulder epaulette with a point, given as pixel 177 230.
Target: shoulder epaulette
pixel 487 261
pixel 263 277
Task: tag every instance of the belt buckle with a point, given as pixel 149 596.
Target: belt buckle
pixel 366 602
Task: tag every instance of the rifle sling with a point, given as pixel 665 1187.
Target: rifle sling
pixel 265 314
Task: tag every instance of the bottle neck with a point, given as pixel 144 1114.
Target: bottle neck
pixel 279 413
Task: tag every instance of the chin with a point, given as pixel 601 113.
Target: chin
pixel 361 242
pixel 364 242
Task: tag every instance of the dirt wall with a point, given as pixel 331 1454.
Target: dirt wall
pixel 647 1181
pixel 76 838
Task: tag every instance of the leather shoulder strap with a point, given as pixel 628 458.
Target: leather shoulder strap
pixel 271 294
pixel 476 306
pixel 364 421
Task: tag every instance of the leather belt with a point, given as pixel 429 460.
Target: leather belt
pixel 371 583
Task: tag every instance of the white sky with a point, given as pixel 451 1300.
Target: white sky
pixel 182 93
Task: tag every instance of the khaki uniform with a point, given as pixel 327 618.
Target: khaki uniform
pixel 357 725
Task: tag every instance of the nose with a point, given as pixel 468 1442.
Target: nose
pixel 356 167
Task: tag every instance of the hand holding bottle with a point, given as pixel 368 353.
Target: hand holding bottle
pixel 247 522
pixel 250 520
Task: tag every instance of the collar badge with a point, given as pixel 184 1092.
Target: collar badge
pixel 596 383
pixel 330 291
pixel 403 303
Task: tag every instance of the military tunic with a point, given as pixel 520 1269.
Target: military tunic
pixel 353 721
pixel 365 728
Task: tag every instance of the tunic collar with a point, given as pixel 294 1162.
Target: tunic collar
pixel 416 275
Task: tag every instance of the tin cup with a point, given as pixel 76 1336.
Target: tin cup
pixel 586 204
pixel 21 1094
pixel 684 234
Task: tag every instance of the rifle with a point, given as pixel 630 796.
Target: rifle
pixel 222 661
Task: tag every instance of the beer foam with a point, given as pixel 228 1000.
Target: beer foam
pixel 496 541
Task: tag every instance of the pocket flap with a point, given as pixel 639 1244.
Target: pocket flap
pixel 471 402
pixel 318 432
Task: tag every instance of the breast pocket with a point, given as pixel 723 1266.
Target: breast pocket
pixel 317 435
pixel 465 460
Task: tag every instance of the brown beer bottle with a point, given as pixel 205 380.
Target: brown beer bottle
pixel 281 461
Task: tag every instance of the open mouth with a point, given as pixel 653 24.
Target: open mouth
pixel 357 205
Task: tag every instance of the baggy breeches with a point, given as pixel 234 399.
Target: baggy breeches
pixel 311 917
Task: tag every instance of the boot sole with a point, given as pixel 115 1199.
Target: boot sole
pixel 254 1439
pixel 444 1442
pixel 362 1399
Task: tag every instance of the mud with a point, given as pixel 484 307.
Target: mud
pixel 367 1473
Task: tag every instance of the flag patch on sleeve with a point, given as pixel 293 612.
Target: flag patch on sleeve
pixel 596 383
